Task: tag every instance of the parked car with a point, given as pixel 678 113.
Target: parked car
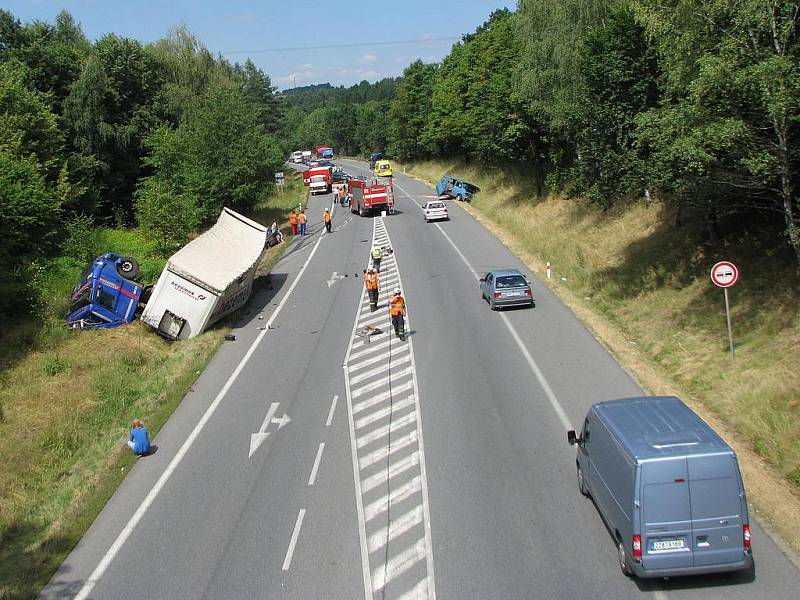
pixel 506 287
pixel 373 158
pixel 383 168
pixel 456 188
pixel 435 209
pixel 667 486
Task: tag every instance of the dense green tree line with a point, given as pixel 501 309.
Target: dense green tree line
pixel 120 133
pixel 696 103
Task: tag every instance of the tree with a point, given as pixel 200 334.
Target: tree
pixel 257 88
pixel 220 154
pixel 729 124
pixel 408 113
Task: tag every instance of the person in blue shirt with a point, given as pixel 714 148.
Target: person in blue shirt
pixel 140 440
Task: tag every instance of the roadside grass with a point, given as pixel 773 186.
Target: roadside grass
pixel 641 283
pixel 68 398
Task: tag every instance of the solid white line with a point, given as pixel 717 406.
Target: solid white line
pixel 548 391
pixel 295 534
pixel 184 449
pixel 313 476
pixel 330 412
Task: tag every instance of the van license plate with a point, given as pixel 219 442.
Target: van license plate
pixel 667 545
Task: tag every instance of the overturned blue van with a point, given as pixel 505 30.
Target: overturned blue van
pixel 667 486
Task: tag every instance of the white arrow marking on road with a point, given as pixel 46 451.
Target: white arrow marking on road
pixel 256 439
pixel 334 278
pixel 284 420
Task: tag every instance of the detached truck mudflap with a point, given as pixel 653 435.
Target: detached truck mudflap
pixel 207 279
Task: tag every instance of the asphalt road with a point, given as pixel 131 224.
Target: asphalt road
pixel 308 463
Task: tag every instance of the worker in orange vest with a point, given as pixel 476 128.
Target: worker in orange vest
pixel 373 285
pixel 327 216
pixel 397 309
pixel 301 220
pixel 293 222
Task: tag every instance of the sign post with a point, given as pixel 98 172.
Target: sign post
pixel 724 274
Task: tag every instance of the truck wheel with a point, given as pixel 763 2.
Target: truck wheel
pixel 623 559
pixel 582 483
pixel 128 268
pixel 360 211
pixel 459 198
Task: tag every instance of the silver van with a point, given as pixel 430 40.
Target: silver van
pixel 667 486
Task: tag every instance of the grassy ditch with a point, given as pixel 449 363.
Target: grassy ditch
pixel 67 400
pixel 641 283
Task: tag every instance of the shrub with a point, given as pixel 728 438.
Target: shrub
pixel 81 241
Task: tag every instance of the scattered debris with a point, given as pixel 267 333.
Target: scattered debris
pixel 365 333
pixel 230 337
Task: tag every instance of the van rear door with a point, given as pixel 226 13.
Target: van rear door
pixel 717 519
pixel 666 514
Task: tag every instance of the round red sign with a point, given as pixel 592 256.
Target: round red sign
pixel 724 274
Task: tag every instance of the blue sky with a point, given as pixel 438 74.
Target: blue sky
pixel 240 29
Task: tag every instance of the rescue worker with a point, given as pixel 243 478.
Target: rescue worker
pixel 373 285
pixel 293 222
pixel 397 309
pixel 327 216
pixel 301 220
pixel 376 255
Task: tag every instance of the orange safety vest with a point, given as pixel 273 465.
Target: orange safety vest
pixel 397 306
pixel 301 218
pixel 327 216
pixel 371 281
pixel 292 219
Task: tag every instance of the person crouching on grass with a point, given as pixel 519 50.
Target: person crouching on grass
pixel 139 441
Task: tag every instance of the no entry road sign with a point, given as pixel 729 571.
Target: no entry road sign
pixel 724 274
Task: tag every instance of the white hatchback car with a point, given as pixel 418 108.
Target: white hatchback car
pixel 435 209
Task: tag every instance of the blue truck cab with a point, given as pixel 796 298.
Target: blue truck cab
pixel 456 188
pixel 106 294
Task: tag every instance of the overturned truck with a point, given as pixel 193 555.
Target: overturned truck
pixel 207 279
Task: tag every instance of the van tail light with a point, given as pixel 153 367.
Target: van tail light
pixel 636 547
pixel 498 294
pixel 746 535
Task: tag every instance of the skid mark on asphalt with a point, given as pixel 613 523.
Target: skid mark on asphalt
pixel 388 451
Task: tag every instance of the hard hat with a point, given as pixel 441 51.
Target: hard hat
pixel 396 291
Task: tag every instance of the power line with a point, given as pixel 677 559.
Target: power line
pixel 329 46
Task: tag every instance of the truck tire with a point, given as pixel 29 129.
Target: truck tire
pixel 128 268
pixel 459 198
pixel 360 211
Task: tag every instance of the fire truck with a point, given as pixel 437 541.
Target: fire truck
pixel 318 179
pixel 371 197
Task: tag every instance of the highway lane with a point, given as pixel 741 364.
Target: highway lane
pixel 506 519
pixel 502 476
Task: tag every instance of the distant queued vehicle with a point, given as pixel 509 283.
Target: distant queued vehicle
pixel 325 163
pixel 434 210
pixel 306 156
pixel 506 287
pixel 452 187
pixel 296 157
pixel 373 158
pixel 383 168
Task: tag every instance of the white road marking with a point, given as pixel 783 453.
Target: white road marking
pixel 287 561
pixel 398 494
pixel 559 410
pixel 256 439
pixel 383 396
pixel 313 475
pixel 383 431
pixel 399 564
pixel 330 412
pixel 376 385
pixel 396 528
pixel 384 412
pixel 380 454
pixel 384 357
pixel 378 370
pixel 123 536
pixel 395 469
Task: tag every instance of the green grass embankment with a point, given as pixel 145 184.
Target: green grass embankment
pixel 641 284
pixel 67 399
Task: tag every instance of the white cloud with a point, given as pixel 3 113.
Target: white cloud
pixel 369 58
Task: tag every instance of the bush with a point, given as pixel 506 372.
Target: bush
pixel 81 241
pixel 165 215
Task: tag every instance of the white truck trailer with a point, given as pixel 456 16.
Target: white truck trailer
pixel 207 279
